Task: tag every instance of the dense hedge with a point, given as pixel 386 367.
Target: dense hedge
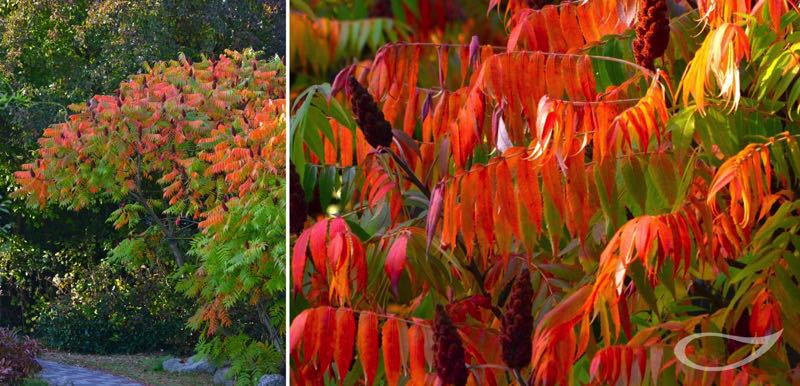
pixel 117 314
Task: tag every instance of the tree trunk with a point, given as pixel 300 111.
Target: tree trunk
pixel 176 251
pixel 166 227
pixel 274 335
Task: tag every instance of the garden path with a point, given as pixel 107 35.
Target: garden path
pixel 58 374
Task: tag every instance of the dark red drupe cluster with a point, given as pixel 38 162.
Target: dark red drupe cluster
pixel 448 350
pixel 370 118
pixel 652 32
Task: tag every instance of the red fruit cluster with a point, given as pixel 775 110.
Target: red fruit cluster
pixel 518 323
pixel 652 32
pixel 448 351
pixel 298 209
pixel 370 118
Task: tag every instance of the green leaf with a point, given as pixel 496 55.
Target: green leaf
pixel 633 175
pixel 327 181
pixel 661 171
pixel 681 125
pixel 755 266
pixel 636 271
pixel 358 230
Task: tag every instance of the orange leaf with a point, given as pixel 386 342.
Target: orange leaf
pixel 528 192
pixel 392 361
pixel 468 190
pixel 507 217
pixel 418 363
pixel 483 215
pixel 569 26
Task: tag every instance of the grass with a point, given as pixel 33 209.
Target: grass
pixel 33 382
pixel 144 368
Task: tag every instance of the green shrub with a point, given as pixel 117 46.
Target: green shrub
pixel 117 313
pixel 17 357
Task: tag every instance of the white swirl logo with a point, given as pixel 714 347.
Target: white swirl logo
pixel 766 343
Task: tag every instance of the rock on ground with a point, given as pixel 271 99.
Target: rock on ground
pixel 191 365
pixel 219 377
pixel 272 380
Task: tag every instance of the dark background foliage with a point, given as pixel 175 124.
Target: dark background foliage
pixel 111 311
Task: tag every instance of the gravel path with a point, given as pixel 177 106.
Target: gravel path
pixel 57 374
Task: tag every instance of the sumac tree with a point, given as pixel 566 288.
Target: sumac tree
pixel 640 202
pixel 194 154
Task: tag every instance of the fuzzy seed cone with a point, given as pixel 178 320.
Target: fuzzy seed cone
pixel 652 32
pixel 448 351
pixel 370 118
pixel 298 209
pixel 381 8
pixel 518 323
pixel 538 4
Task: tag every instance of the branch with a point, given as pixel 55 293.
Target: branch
pixel 519 378
pixel 410 175
pixel 166 228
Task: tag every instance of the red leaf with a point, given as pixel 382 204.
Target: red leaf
pixel 335 248
pixel 367 342
pixel 408 145
pixel 318 251
pixel 311 335
pixel 434 211
pixel 296 331
pixel 327 320
pixel 474 44
pixel 340 81
pixel 299 260
pixel 396 260
pixel 344 340
pixel 338 226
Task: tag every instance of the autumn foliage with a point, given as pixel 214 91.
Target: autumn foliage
pixel 189 151
pixel 549 211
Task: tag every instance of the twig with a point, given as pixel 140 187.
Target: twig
pixel 410 175
pixel 518 376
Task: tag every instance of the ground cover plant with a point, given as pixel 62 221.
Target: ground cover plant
pixel 17 357
pixel 562 208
